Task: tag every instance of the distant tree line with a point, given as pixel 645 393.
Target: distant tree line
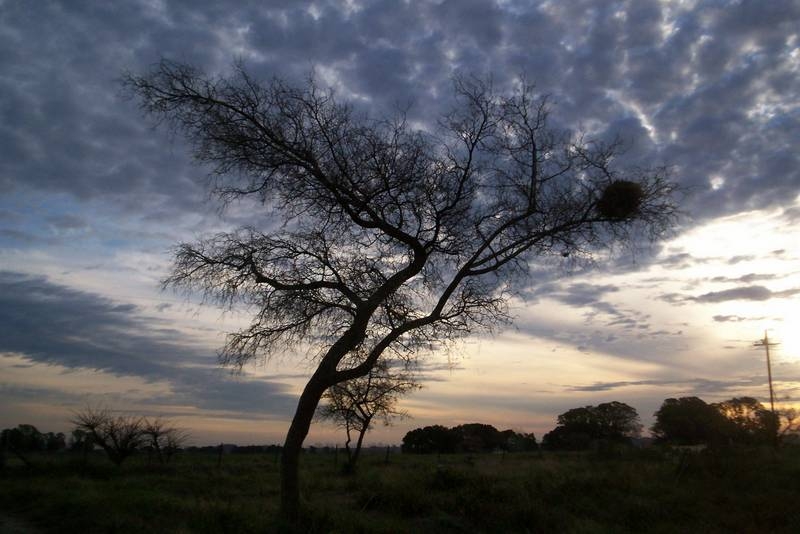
pixel 25 439
pixel 471 438
pixel 681 421
pixel 118 435
pixel 231 448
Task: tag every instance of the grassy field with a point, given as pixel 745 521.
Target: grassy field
pixel 729 491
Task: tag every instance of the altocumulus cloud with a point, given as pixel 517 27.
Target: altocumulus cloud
pixel 53 324
pixel 693 386
pixel 755 293
pixel 704 86
pixel 752 293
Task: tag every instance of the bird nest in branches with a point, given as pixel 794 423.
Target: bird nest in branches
pixel 621 199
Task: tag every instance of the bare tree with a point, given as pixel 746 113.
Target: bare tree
pixel 118 435
pixel 391 239
pixel 355 404
pixel 164 438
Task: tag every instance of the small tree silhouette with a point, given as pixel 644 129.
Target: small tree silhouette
pixel 118 435
pixel 355 404
pixel 163 438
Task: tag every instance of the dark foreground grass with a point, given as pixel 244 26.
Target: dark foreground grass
pixel 726 491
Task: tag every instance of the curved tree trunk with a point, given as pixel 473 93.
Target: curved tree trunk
pixel 347 448
pixel 321 380
pixel 290 487
pixel 360 441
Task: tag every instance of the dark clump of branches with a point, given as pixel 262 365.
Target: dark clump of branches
pixel 620 199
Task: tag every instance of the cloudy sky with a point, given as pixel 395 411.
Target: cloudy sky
pixel 92 198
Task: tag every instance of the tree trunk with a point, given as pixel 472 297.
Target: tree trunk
pixel 304 414
pixel 347 446
pixel 290 487
pixel 362 431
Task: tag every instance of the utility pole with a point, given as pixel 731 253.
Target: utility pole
pixel 766 344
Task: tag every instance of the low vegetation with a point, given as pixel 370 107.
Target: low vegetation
pixel 613 490
pixel 723 467
pixel 469 438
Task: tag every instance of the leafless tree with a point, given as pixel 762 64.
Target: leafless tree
pixel 118 435
pixel 355 404
pixel 391 239
pixel 164 438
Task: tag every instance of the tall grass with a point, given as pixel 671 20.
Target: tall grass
pixel 723 491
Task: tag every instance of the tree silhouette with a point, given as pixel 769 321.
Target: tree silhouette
pixel 608 422
pixel 470 437
pixel 118 435
pixel 388 239
pixel 749 422
pixel 162 437
pixel 518 441
pixel 430 439
pixel 689 421
pixel 356 403
pixel 478 437
pixel 789 419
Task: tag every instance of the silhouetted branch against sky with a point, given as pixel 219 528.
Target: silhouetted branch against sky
pixel 382 224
